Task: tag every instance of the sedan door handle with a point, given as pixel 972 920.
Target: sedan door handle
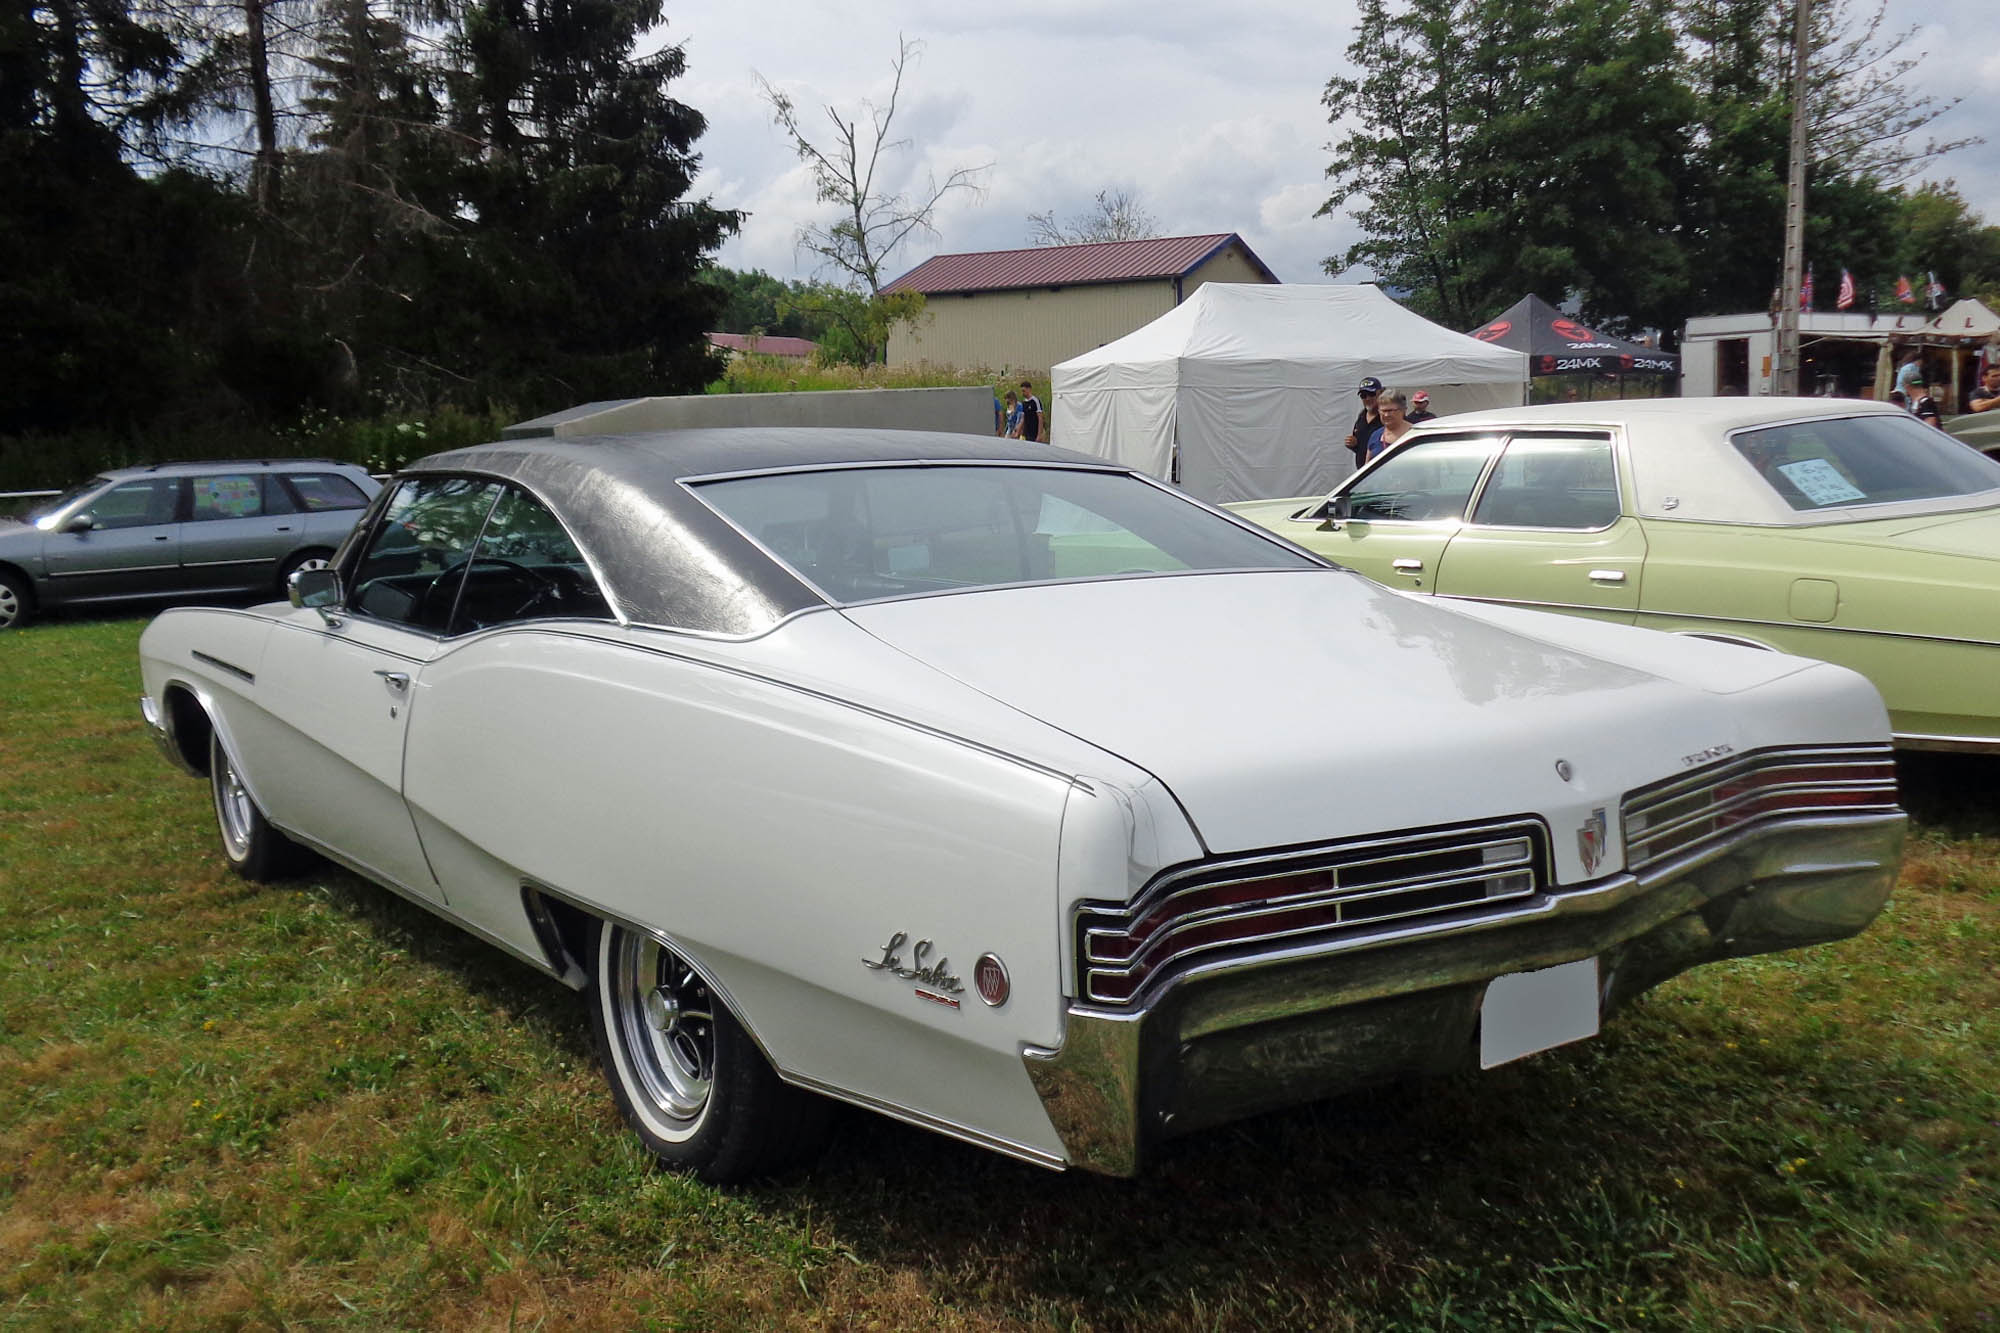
pixel 1607 576
pixel 1407 565
pixel 395 680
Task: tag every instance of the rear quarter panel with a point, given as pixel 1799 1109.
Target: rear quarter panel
pixel 783 838
pixel 1923 626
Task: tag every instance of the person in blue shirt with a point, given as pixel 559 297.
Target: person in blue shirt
pixel 1394 405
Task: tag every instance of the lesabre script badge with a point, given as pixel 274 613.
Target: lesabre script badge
pixel 935 981
pixel 1590 840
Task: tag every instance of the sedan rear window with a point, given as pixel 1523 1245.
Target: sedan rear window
pixel 858 534
pixel 1840 462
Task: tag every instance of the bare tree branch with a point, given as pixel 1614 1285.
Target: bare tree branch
pixel 873 221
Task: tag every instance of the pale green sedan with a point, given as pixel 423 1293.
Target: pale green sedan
pixel 1846 531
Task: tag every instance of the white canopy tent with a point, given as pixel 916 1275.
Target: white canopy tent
pixel 1246 391
pixel 1967 319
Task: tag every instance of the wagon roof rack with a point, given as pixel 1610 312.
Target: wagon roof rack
pixel 239 462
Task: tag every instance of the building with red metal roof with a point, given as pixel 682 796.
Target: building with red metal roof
pixel 752 344
pixel 1028 309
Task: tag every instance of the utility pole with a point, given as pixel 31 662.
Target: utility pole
pixel 1786 383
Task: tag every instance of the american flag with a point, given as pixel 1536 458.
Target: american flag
pixel 1935 292
pixel 1846 297
pixel 1904 292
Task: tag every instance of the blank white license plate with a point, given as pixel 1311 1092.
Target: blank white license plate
pixel 1525 1012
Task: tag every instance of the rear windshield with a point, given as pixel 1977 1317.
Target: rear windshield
pixel 859 534
pixel 1846 461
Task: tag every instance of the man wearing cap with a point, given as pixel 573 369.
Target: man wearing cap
pixel 1420 408
pixel 1366 423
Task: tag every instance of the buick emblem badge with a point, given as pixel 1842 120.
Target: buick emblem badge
pixel 1590 840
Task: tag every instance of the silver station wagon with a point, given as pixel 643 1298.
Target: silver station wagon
pixel 179 530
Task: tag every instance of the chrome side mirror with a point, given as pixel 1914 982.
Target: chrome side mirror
pixel 318 589
pixel 79 523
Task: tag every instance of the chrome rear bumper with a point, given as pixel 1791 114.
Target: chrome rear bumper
pixel 1243 1036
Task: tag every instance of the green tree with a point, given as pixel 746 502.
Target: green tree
pixel 1938 233
pixel 757 302
pixel 1502 146
pixel 578 273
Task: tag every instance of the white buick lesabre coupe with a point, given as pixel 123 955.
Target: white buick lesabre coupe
pixel 1003 790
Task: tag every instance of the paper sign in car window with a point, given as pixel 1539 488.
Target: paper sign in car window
pixel 1820 482
pixel 230 497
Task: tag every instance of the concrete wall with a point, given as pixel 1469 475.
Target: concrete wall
pixel 964 410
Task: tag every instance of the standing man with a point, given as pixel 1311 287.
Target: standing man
pixel 1031 412
pixel 1986 397
pixel 1420 408
pixel 1366 422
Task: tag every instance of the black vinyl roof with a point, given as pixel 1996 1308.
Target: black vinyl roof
pixel 668 558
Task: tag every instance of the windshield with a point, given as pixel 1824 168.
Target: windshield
pixel 1841 462
pixel 858 534
pixel 67 498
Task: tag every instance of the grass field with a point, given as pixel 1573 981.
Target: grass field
pixel 223 1106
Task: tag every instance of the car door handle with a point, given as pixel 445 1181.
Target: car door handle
pixel 1408 565
pixel 1607 576
pixel 395 680
pixel 161 537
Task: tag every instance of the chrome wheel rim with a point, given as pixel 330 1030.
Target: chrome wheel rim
pixel 312 562
pixel 232 807
pixel 666 1025
pixel 10 605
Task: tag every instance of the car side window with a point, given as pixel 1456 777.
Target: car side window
pixel 277 500
pixel 1544 482
pixel 136 504
pixel 325 490
pixel 1428 480
pixel 525 567
pixel 416 559
pixel 225 495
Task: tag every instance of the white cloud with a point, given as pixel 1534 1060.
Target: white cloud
pixel 1213 120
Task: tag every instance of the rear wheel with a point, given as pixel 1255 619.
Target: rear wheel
pixel 255 850
pixel 15 606
pixel 687 1078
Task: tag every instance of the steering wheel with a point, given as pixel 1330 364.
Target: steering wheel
pixel 446 578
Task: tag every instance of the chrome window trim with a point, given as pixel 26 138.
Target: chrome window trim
pixel 1309 559
pixel 355 548
pixel 1611 438
pixel 693 481
pixel 1861 513
pixel 1502 435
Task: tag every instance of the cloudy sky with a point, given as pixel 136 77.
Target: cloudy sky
pixel 1212 117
